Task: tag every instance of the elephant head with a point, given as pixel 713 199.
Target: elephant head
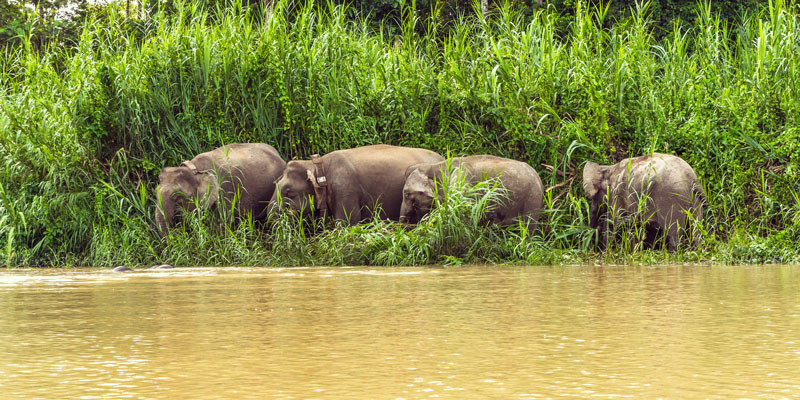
pixel 294 188
pixel 182 188
pixel 418 193
pixel 595 183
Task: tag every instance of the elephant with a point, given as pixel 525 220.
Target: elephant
pixel 348 184
pixel 524 191
pixel 246 170
pixel 658 188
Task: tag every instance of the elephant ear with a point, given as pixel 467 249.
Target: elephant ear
pixel 319 193
pixel 593 177
pixel 313 178
pixel 419 182
pixel 208 188
pixel 428 190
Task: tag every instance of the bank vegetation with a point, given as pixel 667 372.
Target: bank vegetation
pixel 86 126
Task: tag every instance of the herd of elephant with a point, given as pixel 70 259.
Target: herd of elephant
pixel 401 182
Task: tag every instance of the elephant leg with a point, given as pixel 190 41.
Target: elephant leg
pixel 496 218
pixel 652 235
pixel 524 222
pixel 605 232
pixel 633 243
pixel 673 235
pixel 637 230
pixel 530 213
pixel 677 226
pixel 349 211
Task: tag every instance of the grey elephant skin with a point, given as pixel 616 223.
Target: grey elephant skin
pixel 659 188
pixel 524 191
pixel 357 180
pixel 248 170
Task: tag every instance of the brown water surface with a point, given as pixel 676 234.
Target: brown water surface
pixel 467 332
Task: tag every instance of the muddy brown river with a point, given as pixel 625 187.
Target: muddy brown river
pixel 390 333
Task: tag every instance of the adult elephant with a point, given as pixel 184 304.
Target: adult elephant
pixel 348 184
pixel 660 190
pixel 523 187
pixel 243 170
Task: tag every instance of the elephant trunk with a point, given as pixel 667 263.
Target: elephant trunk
pixel 161 224
pixel 165 213
pixel 406 213
pixel 273 207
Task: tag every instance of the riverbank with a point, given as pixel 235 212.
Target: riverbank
pixel 85 128
pixel 452 234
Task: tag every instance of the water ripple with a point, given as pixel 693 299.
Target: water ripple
pixel 471 332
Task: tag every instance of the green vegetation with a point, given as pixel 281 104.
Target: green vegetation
pixel 85 129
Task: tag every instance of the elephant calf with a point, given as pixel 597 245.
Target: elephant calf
pixel 660 189
pixel 246 170
pixel 348 184
pixel 520 180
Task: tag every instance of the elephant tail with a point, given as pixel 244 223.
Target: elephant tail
pixel 699 200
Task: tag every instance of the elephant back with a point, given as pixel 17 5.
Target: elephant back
pixel 249 169
pixel 376 174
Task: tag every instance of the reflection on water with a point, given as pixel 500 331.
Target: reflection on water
pixel 477 332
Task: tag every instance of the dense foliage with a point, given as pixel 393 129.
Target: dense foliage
pixel 662 13
pixel 84 130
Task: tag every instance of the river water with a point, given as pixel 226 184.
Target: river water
pixel 388 333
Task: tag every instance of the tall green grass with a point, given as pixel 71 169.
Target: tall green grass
pixel 85 130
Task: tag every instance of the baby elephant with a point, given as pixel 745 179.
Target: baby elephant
pixel 659 188
pixel 520 180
